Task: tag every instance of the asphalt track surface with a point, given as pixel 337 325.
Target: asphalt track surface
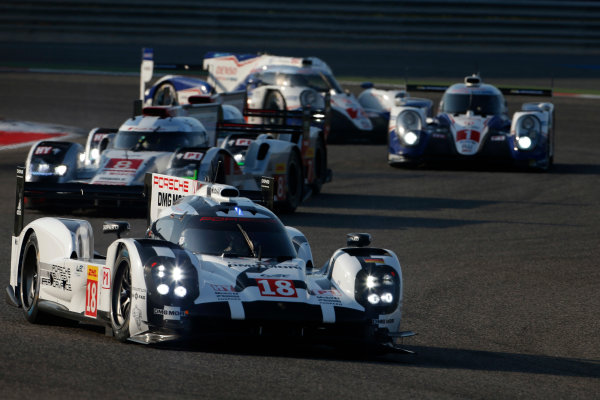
pixel 500 267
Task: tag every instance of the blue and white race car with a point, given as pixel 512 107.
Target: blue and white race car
pixel 472 125
pixel 212 262
pixel 272 82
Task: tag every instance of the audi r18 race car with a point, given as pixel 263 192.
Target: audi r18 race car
pixel 472 124
pixel 181 141
pixel 272 82
pixel 212 262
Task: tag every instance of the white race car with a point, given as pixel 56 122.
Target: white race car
pixel 273 82
pixel 210 141
pixel 212 262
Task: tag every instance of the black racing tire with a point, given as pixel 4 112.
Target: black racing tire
pixel 294 184
pixel 30 281
pixel 121 297
pixel 320 166
pixel 274 101
pixel 165 95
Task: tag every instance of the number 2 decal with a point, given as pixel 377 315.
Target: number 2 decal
pixel 276 287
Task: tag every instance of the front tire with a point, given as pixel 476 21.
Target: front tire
pixel 121 297
pixel 30 280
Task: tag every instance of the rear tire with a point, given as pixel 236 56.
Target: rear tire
pixel 30 281
pixel 274 101
pixel 121 297
pixel 320 166
pixel 294 184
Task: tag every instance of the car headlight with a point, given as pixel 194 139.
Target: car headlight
pixel 171 281
pixel 312 99
pixel 60 170
pixel 378 287
pixel 408 126
pixel 527 131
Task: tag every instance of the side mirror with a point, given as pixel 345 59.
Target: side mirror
pixel 117 227
pixel 358 239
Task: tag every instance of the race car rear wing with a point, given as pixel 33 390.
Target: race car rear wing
pixel 509 91
pixel 276 122
pixel 161 191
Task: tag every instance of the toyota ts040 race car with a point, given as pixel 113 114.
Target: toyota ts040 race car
pixel 212 262
pixel 472 124
pixel 272 82
pixel 198 140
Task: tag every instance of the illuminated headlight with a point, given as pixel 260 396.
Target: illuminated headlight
pixel 374 298
pixel 527 130
pixel 94 154
pixel 177 274
pixel 387 298
pixel 408 124
pixel 371 282
pixel 60 170
pixel 180 291
pixel 161 271
pixel 310 98
pixel 524 143
pixel 162 289
pixel 81 157
pixel 410 138
pixel 43 167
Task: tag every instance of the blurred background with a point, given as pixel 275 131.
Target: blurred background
pixel 542 41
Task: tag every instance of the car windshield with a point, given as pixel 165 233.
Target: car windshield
pixel 318 81
pixel 480 104
pixel 225 236
pixel 158 141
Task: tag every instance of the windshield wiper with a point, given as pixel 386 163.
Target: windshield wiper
pixel 248 241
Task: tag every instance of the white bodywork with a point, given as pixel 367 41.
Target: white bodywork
pixel 74 284
pixel 227 72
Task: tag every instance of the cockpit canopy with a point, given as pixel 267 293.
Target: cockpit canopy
pixel 226 230
pixel 296 77
pixel 483 100
pixel 160 134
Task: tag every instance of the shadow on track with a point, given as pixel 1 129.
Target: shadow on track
pixel 351 221
pixel 438 357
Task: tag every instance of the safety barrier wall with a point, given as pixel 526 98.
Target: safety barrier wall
pixel 522 26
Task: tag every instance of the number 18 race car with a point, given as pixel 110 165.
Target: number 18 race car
pixel 211 263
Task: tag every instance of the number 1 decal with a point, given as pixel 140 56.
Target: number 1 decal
pixel 276 287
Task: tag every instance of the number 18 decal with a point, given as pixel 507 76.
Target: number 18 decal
pixel 91 292
pixel 276 287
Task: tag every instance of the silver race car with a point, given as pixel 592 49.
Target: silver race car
pixel 201 140
pixel 271 82
pixel 211 262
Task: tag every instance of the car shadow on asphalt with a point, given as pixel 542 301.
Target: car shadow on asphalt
pixel 423 357
pixel 439 357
